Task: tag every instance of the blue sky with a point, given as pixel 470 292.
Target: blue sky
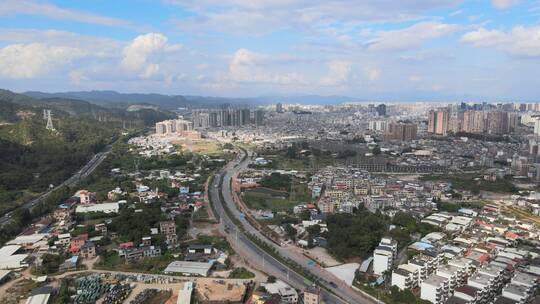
pixel 371 49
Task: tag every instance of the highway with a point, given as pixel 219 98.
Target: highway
pixel 92 164
pixel 257 257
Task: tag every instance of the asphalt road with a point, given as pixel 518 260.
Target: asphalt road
pixel 258 257
pixel 92 164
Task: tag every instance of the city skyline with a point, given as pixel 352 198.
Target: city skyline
pixel 415 50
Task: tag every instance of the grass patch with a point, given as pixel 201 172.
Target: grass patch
pixel 474 183
pixel 216 241
pixel 111 261
pixel 264 200
pixel 241 273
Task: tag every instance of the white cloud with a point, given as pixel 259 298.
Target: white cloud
pixel 136 56
pixel 414 78
pixel 373 74
pixel 37 8
pixel 410 37
pixel 338 73
pixel 77 77
pixel 96 46
pixel 20 61
pixel 504 4
pixel 254 17
pixel 249 67
pixel 520 41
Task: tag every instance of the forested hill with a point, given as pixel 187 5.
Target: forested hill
pixel 32 157
pixel 169 102
pixel 12 102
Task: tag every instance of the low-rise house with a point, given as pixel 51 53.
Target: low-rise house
pixel 77 242
pixel 101 227
pixel 69 264
pixel 286 292
pixel 63 240
pixel 88 250
pixel 136 253
pixel 312 295
pixel 200 249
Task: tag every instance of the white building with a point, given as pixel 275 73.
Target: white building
pixel 9 259
pixel 405 277
pixel 383 256
pixel 434 289
pixel 516 292
pixel 451 273
pixel 286 292
pixel 467 293
pixel 104 207
pixel 537 126
pixel 377 125
pixel 484 283
pixel 188 268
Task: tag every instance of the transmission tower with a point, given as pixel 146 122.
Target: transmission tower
pixel 293 192
pixel 48 116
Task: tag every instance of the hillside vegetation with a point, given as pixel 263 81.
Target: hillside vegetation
pixel 32 158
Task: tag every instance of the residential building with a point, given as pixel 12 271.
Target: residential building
pixel 312 295
pixel 434 289
pixel 439 122
pixel 286 292
pixel 517 293
pixel 400 131
pixel 405 277
pixel 88 250
pixel 383 256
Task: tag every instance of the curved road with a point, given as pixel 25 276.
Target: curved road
pixel 258 257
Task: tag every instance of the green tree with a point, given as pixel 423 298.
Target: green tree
pixel 291 231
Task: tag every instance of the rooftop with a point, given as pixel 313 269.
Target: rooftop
pixel 435 280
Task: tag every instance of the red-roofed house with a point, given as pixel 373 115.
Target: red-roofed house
pixel 77 242
pixel 126 245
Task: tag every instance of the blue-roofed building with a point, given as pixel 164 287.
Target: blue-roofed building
pixel 70 263
pixel 468 212
pixel 420 246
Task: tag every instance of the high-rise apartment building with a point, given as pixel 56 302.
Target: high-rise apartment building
pixel 474 121
pixel 381 109
pixel 401 131
pixel 439 122
pixel 492 122
pixel 259 117
pixel 226 117
pixel 173 126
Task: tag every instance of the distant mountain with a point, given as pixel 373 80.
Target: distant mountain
pixel 308 99
pixel 173 102
pixel 12 104
pixel 112 98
